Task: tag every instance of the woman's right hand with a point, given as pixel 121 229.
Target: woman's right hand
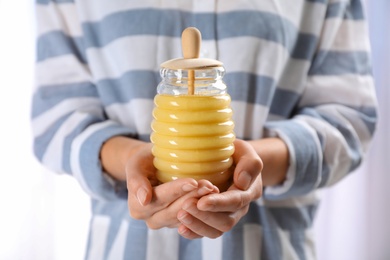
pixel 131 160
pixel 158 204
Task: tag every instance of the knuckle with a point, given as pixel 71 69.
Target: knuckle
pixel 243 200
pixel 176 193
pixel 258 164
pixel 237 202
pixel 228 224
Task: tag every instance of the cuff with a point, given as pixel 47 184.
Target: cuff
pixel 86 165
pixel 304 173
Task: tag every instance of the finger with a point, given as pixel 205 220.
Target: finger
pixel 167 216
pixel 165 219
pixel 248 164
pixel 197 226
pixel 221 221
pixel 206 187
pixel 163 195
pixel 187 233
pixel 208 224
pixel 139 189
pixel 166 193
pixel 231 200
pixel 139 174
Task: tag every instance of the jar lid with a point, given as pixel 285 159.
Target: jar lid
pixel 190 41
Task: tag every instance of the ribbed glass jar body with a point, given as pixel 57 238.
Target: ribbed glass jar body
pixel 193 134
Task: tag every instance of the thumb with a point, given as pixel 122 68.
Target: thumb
pixel 140 175
pixel 248 164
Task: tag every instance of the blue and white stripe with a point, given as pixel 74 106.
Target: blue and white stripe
pixel 299 70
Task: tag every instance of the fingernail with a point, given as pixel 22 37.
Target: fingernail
pixel 244 180
pixel 185 218
pixel 183 230
pixel 188 187
pixel 204 190
pixel 141 196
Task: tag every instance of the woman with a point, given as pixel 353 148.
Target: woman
pixel 302 95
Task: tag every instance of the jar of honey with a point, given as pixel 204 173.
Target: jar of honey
pixel 193 130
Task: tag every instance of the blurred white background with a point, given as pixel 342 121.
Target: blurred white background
pixel 45 216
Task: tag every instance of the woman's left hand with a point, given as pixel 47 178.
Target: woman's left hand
pixel 212 215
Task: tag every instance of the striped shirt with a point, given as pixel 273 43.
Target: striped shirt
pixel 299 70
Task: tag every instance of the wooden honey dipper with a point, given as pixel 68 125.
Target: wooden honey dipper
pixel 191 39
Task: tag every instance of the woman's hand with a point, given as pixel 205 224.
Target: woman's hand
pixel 131 160
pixel 213 214
pixel 158 204
pixel 167 201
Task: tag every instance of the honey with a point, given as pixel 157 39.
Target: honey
pixel 193 137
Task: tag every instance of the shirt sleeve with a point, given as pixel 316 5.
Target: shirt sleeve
pixel 334 122
pixel 68 119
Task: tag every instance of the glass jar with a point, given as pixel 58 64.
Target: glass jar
pixel 193 130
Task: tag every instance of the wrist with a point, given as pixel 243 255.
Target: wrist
pixel 115 153
pixel 275 156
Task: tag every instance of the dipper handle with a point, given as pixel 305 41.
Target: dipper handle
pixel 191 39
